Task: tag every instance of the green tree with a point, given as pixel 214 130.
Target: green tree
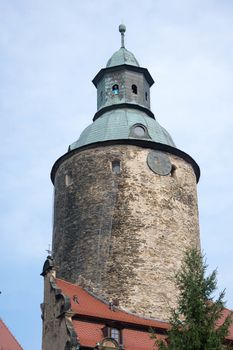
pixel 194 324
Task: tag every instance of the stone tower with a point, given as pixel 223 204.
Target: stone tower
pixel 125 197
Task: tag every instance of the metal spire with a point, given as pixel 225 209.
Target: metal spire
pixel 122 30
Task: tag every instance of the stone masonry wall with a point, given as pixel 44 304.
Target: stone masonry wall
pixel 55 335
pixel 123 236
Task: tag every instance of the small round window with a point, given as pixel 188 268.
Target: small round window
pixel 139 131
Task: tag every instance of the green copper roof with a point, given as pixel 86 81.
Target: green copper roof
pixel 117 125
pixel 122 56
pixel 125 120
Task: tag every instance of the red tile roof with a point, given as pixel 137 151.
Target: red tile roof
pixel 90 334
pixel 88 305
pixel 137 340
pixel 7 340
pixel 92 314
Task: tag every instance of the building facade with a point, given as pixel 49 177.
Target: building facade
pixel 125 212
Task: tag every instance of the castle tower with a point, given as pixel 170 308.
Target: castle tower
pixel 125 197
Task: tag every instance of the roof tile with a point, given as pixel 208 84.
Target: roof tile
pixel 89 332
pixel 88 305
pixel 7 340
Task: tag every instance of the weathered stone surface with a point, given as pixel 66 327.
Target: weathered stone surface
pixel 55 335
pixel 124 79
pixel 123 236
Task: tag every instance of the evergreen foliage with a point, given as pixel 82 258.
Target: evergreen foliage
pixel 194 324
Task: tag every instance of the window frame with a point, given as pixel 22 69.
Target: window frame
pixel 107 332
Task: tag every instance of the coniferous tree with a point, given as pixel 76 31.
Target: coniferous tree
pixel 194 324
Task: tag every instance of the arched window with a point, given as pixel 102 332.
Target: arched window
pixel 134 89
pixel 115 89
pixel 139 131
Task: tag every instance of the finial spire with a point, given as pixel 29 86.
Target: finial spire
pixel 122 30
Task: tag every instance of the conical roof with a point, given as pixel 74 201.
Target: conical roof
pixel 122 56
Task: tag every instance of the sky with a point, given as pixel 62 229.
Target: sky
pixel 49 53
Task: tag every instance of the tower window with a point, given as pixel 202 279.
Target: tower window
pixel 146 96
pixel 139 131
pixel 68 180
pixel 115 89
pixel 116 167
pixel 134 89
pixel 173 170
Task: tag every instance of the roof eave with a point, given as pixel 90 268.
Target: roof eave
pixel 141 143
pixel 124 105
pixel 161 329
pixel 142 70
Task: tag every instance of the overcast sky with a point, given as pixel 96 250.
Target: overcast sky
pixel 49 53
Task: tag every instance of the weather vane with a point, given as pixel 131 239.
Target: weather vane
pixel 49 251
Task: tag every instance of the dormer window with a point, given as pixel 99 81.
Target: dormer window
pixel 115 89
pixel 139 131
pixel 134 89
pixel 114 333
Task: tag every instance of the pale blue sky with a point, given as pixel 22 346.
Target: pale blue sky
pixel 49 53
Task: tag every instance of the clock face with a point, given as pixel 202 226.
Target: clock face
pixel 159 162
